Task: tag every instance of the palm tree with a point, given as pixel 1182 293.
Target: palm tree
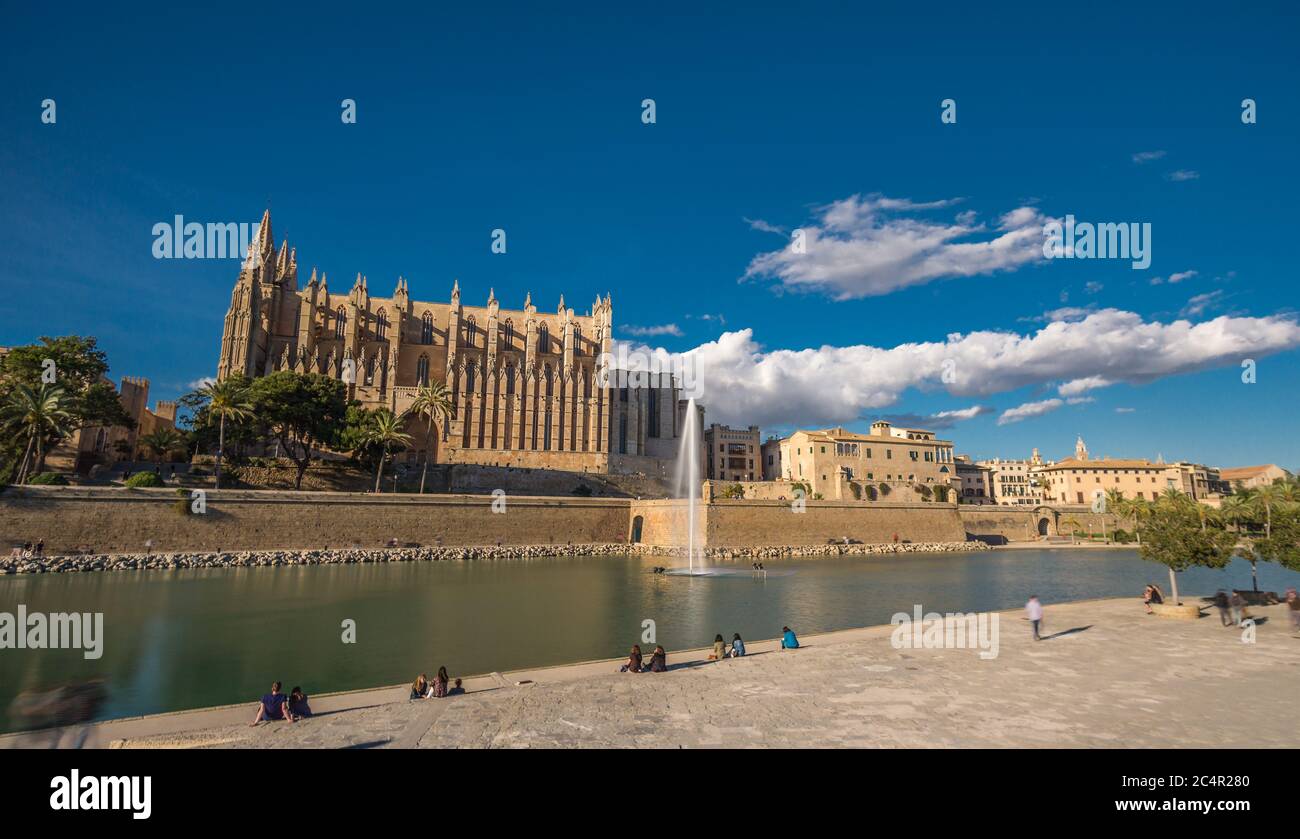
pixel 227 399
pixel 385 431
pixel 432 404
pixel 38 413
pixel 1073 523
pixel 162 441
pixel 1115 505
pixel 1267 498
pixel 1236 510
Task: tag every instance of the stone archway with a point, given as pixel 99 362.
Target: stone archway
pixel 1044 525
pixel 637 524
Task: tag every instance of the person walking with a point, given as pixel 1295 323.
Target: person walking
pixel 1293 608
pixel 1034 612
pixel 1238 604
pixel 1221 603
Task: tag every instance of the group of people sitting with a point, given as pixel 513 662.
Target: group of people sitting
pixel 636 664
pixel 721 649
pixel 440 686
pixel 277 706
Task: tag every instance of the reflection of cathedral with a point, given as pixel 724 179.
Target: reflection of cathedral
pixel 524 384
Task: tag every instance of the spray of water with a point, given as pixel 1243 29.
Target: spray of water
pixel 688 476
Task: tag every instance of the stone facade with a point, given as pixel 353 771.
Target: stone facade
pixel 1250 477
pixel 886 455
pixel 1079 480
pixel 100 444
pixel 527 386
pixel 1016 483
pixel 732 453
pixel 973 482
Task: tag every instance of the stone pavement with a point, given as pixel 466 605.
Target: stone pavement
pixel 1115 677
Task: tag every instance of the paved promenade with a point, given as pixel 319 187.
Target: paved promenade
pixel 1112 677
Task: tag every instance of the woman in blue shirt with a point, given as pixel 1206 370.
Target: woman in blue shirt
pixel 788 639
pixel 737 646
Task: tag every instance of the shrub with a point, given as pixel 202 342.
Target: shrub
pixel 1123 536
pixel 49 479
pixel 144 479
pixel 734 491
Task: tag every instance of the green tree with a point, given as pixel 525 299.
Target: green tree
pixel 303 411
pixel 226 400
pixel 384 432
pixel 79 368
pixel 163 442
pixel 34 416
pixel 1179 538
pixel 432 404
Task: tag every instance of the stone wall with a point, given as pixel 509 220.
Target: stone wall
pixel 766 523
pixel 1001 524
pixel 121 520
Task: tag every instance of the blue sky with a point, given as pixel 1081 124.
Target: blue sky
pixel 824 118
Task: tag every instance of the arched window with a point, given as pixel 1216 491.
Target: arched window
pixel 544 338
pixel 548 380
pixel 340 323
pixel 381 326
pixel 469 331
pixel 469 378
pixel 508 333
pixel 510 380
pixel 370 370
pixel 577 339
pixel 426 328
pixel 422 371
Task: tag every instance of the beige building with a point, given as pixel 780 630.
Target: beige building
pixel 886 455
pixel 973 481
pixel 771 454
pixel 526 385
pixel 732 454
pixel 1250 477
pixel 1079 480
pixel 1016 483
pixel 99 444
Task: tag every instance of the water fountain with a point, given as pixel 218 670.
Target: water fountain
pixel 688 478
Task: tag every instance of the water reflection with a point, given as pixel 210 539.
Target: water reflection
pixel 184 639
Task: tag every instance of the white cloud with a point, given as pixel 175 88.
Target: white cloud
pixel 1029 409
pixel 648 331
pixel 939 419
pixel 1076 386
pixel 1198 304
pixel 745 383
pixel 1183 175
pixel 861 247
pixel 1176 277
pixel 198 383
pixel 1148 156
pixel 1125 410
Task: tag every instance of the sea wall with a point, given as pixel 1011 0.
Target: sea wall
pixel 998 524
pixel 122 520
pixel 117 520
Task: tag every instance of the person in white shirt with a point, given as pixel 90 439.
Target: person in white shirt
pixel 1034 612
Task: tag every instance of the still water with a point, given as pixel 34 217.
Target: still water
pixel 187 639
